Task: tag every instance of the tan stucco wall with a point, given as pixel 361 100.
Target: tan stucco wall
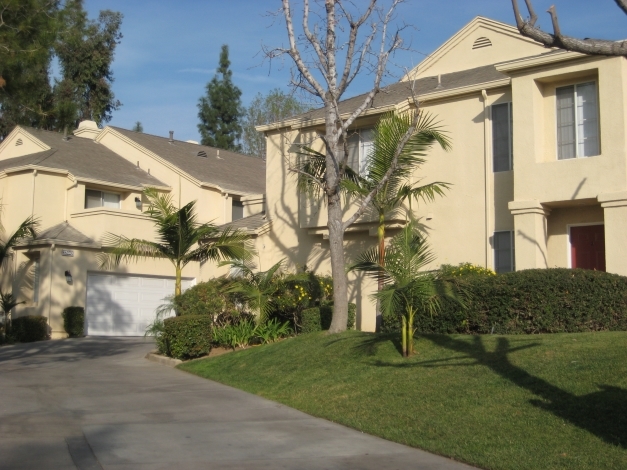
pixel 55 293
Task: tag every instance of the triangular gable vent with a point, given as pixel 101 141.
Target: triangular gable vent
pixel 202 153
pixel 19 142
pixel 481 42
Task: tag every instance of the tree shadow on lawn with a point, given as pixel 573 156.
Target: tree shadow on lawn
pixel 603 413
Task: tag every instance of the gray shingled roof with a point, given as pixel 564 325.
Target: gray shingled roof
pixel 251 223
pixel 63 233
pixel 83 158
pixel 398 92
pixel 232 171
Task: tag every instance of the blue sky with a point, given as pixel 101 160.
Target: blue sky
pixel 170 48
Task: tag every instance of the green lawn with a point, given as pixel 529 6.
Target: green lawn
pixel 498 402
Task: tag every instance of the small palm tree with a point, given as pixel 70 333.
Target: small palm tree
pixel 258 289
pixel 408 289
pixel 180 239
pixel 7 303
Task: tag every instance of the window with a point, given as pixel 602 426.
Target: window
pixel 360 144
pixel 577 121
pixel 502 148
pixel 503 244
pixel 237 210
pixel 101 199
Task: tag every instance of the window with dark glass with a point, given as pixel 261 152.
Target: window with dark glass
pixel 503 245
pixel 502 142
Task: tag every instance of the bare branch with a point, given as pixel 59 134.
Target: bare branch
pixel 352 40
pixel 584 46
pixel 295 54
pixel 622 4
pixel 313 40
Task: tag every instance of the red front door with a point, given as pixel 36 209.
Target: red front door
pixel 587 247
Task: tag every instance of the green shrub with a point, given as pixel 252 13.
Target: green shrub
pixel 74 321
pixel 237 335
pixel 186 336
pixel 298 292
pixel 319 318
pixel 28 329
pixel 272 331
pixel 531 301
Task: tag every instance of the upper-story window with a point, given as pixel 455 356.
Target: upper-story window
pixel 94 198
pixel 237 210
pixel 360 144
pixel 577 121
pixel 502 142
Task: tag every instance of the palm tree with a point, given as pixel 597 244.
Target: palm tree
pixel 398 188
pixel 258 289
pixel 180 239
pixel 26 230
pixel 408 289
pixel 390 195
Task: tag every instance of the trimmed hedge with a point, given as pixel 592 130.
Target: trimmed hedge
pixel 29 328
pixel 204 298
pixel 186 337
pixel 74 321
pixel 319 318
pixel 530 302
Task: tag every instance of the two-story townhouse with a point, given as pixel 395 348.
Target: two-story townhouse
pixel 538 166
pixel 82 187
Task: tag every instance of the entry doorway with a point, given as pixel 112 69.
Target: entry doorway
pixel 587 247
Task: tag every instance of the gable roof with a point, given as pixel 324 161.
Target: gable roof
pixel 401 91
pixel 63 234
pixel 230 171
pixel 83 158
pixel 504 42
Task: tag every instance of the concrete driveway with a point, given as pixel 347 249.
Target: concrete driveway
pixel 96 403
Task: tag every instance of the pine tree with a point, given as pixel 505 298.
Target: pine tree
pixel 86 50
pixel 220 111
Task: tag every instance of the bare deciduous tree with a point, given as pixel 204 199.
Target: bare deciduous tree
pixel 529 29
pixel 317 52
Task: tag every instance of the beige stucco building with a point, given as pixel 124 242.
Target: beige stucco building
pixel 538 167
pixel 86 185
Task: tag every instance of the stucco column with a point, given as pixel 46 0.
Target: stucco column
pixel 530 234
pixel 615 218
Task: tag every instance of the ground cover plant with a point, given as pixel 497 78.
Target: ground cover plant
pixel 517 402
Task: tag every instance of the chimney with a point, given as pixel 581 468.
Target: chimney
pixel 65 133
pixel 171 136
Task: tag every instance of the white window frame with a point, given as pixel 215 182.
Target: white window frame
pixel 513 250
pixel 102 193
pixel 363 146
pixel 557 147
pixel 510 135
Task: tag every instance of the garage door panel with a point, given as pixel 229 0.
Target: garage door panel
pixel 125 305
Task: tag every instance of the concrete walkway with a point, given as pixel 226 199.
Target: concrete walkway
pixel 96 403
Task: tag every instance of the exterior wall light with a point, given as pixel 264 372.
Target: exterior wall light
pixel 68 277
pixel 138 203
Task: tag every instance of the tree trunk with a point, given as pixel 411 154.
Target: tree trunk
pixel 381 238
pixel 338 266
pixel 335 222
pixel 410 331
pixel 404 335
pixel 177 284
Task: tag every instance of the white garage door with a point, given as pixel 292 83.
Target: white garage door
pixel 124 305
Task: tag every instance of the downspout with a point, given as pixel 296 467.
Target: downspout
pixel 52 249
pixel 73 185
pixel 32 212
pixel 487 168
pixel 226 198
